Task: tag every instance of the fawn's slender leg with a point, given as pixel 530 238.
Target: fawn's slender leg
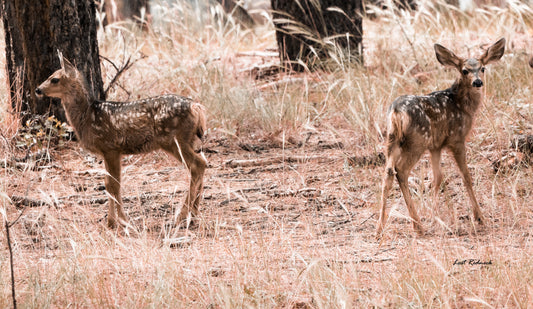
pixel 112 185
pixel 403 180
pixel 196 165
pixel 437 174
pixel 459 154
pixel 388 179
pixel 404 166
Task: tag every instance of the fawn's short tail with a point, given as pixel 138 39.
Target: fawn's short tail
pixel 397 125
pixel 198 111
pixel 398 122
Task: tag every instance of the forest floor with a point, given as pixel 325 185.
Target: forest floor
pixel 274 204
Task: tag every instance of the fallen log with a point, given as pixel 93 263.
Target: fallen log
pixel 21 202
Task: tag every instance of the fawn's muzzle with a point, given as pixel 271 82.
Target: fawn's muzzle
pixel 38 91
pixel 477 83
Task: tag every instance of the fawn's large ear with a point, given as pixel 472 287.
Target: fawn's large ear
pixel 61 62
pixel 447 57
pixel 494 53
pixel 68 67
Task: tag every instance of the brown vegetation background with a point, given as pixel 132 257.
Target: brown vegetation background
pixel 293 182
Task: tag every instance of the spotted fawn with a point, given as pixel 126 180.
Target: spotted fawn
pixel 442 119
pixel 112 129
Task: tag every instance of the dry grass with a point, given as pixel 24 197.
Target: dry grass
pixel 287 235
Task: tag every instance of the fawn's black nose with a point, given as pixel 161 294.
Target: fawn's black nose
pixel 38 91
pixel 477 83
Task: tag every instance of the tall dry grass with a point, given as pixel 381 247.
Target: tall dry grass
pixel 192 50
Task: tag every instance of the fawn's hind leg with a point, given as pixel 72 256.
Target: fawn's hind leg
pixel 393 155
pixel 403 168
pixel 196 164
pixel 388 179
pixel 403 180
pixel 399 163
pixel 112 185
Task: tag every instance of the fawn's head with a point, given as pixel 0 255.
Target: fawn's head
pixel 58 83
pixel 472 69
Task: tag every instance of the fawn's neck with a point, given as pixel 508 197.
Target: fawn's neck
pixel 78 107
pixel 466 97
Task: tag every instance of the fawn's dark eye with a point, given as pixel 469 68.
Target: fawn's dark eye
pixel 465 72
pixel 483 70
pixel 54 80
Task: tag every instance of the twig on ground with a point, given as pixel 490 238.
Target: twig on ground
pixel 279 159
pixel 8 236
pixel 292 80
pixel 8 225
pixel 364 221
pixel 303 191
pixel 263 54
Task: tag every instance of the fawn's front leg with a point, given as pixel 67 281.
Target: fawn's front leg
pixel 196 165
pixel 437 174
pixel 112 185
pixel 459 153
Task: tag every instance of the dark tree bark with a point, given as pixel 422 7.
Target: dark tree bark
pixel 401 4
pixel 34 33
pixel 132 8
pixel 119 10
pixel 304 27
pixel 398 4
pixel 232 7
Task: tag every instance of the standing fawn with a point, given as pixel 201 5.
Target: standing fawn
pixel 441 119
pixel 112 129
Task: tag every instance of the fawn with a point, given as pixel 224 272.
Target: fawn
pixel 112 129
pixel 441 119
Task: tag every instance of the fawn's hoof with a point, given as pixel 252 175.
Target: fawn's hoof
pixel 185 220
pixel 418 228
pixel 379 231
pixel 111 223
pixel 181 225
pixel 115 223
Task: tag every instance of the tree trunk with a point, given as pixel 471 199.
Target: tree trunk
pixel 119 10
pixel 401 4
pixel 34 33
pixel 234 8
pixel 305 28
